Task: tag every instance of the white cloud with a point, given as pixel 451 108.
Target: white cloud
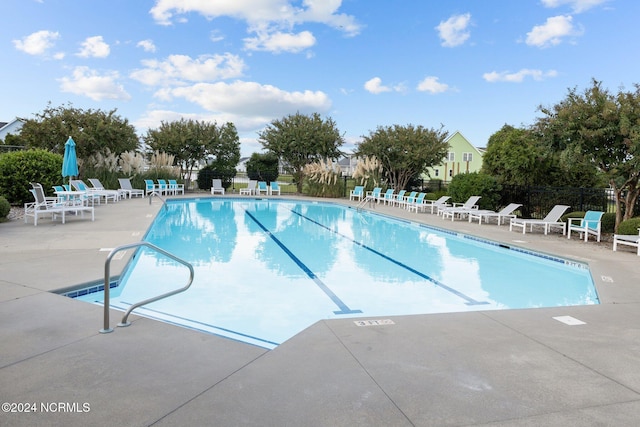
pixel 37 43
pixel 432 85
pixel 375 86
pixel 89 83
pixel 518 76
pixel 251 99
pixel 577 6
pixel 147 45
pixel 216 36
pixel 177 69
pixel 281 42
pixel 454 31
pixel 552 31
pixel 94 47
pixel 271 20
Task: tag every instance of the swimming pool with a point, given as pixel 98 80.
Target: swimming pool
pixel 265 269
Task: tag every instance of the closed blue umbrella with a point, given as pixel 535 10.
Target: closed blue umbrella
pixel 69 162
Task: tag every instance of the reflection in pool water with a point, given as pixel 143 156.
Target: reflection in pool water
pixel 266 269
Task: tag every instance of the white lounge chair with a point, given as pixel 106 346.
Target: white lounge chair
pixel 506 212
pixel 113 194
pixel 441 203
pixel 387 197
pixel 627 239
pixel 552 220
pixel 127 189
pixel 418 203
pixel 175 187
pixel 44 206
pixel 151 187
pixel 590 224
pixel 216 187
pixel 274 188
pixel 91 194
pixel 374 194
pixel 357 193
pixel 399 199
pixel 262 188
pixel 164 188
pixel 250 189
pixel 460 210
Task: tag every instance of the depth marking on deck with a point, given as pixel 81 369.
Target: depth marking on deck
pixel 374 322
pixel 568 320
pixel 607 279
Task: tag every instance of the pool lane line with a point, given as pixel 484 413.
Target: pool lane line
pixel 468 299
pixel 344 309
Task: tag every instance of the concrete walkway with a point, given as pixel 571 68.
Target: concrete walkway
pixel 498 368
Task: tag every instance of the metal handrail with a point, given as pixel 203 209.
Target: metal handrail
pixel 364 201
pixel 155 193
pixel 107 278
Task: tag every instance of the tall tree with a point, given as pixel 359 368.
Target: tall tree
pixel 94 131
pixel 192 141
pixel 605 128
pixel 299 139
pixel 404 151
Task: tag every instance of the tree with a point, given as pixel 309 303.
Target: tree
pixel 299 139
pixel 263 167
pixel 191 141
pixel 404 151
pixel 606 129
pixel 520 156
pixel 513 157
pixel 94 131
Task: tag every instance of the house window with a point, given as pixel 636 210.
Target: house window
pixel 451 157
pixel 467 157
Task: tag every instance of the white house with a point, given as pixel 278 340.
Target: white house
pixel 13 127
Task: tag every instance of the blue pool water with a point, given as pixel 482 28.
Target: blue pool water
pixel 267 269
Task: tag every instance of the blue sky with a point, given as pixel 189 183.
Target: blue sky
pixel 468 65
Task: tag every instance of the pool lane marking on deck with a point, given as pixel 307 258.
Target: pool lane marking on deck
pixel 468 299
pixel 344 309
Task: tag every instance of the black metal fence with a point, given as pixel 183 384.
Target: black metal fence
pixel 538 201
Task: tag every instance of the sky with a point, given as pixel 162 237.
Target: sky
pixel 466 65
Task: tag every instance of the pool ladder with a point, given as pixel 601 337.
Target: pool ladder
pixel 107 280
pixel 364 201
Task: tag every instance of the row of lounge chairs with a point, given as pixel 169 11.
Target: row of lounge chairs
pixel 589 225
pixel 257 188
pixel 53 207
pixel 163 187
pixel 79 198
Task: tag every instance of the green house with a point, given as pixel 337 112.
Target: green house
pixel 463 157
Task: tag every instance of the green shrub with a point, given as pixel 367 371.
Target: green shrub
pixel 19 168
pixel 208 173
pixel 465 185
pixel 629 226
pixel 608 222
pixel 574 214
pixel 5 208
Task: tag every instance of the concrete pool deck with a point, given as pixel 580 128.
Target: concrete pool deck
pixel 498 368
